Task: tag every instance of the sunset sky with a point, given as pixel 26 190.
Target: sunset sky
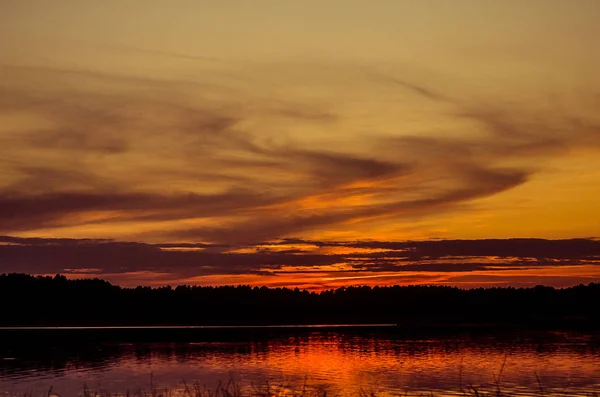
pixel 301 143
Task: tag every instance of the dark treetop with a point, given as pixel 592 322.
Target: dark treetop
pixel 55 301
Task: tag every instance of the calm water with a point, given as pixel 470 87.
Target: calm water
pixel 340 360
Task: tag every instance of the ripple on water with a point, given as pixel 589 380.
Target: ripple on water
pixel 344 362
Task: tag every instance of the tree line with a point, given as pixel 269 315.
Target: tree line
pixel 28 300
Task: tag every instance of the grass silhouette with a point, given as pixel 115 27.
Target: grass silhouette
pixel 268 389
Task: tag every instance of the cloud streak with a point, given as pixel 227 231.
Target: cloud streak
pixel 110 149
pixel 443 261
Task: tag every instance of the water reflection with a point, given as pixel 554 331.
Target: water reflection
pixel 343 361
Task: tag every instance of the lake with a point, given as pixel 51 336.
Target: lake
pixel 344 360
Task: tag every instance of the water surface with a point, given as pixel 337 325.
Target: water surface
pixel 341 360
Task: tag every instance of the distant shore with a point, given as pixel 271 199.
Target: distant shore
pixel 59 302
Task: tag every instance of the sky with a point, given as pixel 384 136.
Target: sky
pixel 313 144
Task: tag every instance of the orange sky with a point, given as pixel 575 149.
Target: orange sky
pixel 239 123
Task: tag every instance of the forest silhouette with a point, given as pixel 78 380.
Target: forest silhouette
pixel 57 301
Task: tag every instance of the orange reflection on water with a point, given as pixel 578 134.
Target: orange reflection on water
pixel 346 364
pixel 343 362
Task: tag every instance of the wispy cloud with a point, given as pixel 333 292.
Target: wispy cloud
pixel 111 148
